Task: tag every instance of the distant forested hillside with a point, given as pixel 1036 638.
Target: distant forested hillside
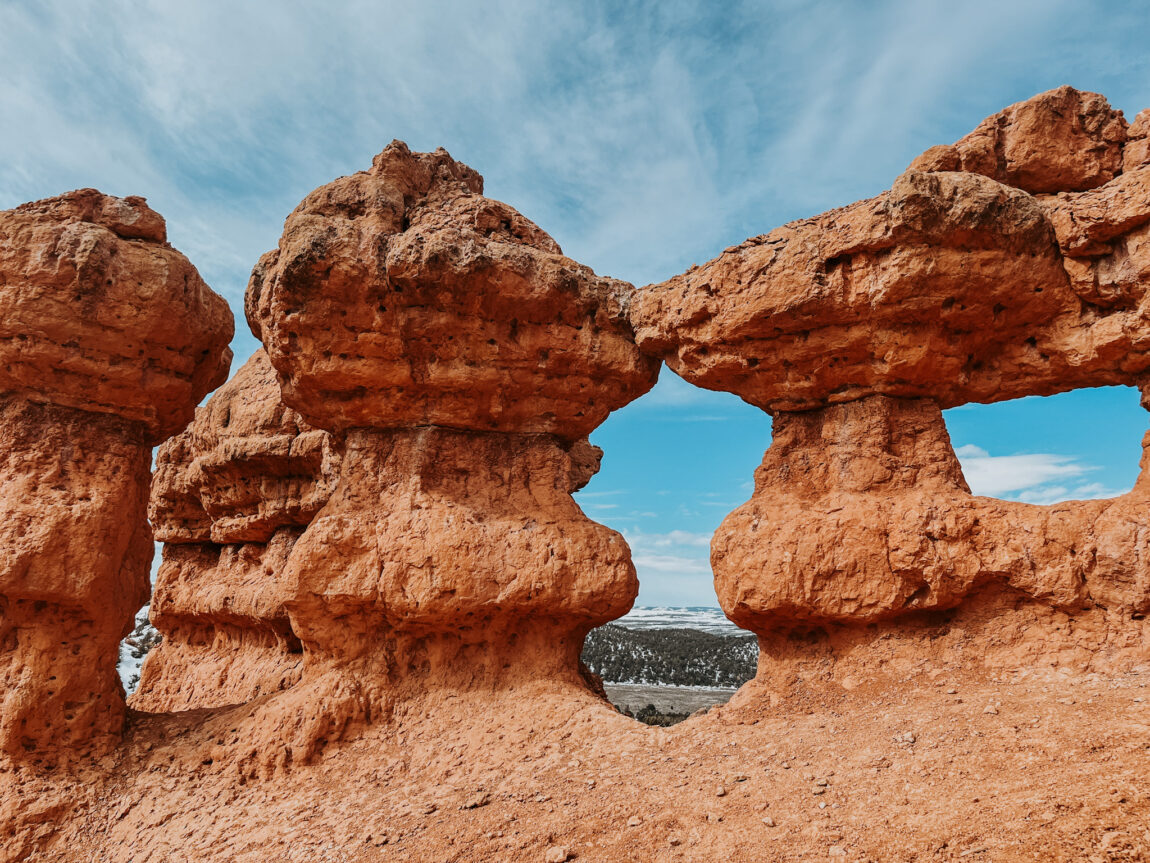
pixel 670 657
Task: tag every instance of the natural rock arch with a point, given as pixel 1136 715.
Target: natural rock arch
pixel 977 277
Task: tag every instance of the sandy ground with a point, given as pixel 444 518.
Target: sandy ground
pixel 1037 767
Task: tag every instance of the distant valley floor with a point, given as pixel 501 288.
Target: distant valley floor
pixel 633 697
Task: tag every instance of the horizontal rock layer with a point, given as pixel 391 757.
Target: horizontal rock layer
pixel 230 498
pixel 952 286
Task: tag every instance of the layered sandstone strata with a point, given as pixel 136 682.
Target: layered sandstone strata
pixel 467 362
pixel 109 338
pixel 1012 263
pixel 231 495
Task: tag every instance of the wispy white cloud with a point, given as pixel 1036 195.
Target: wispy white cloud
pixel 674 555
pixel 1056 493
pixel 639 540
pixel 1039 478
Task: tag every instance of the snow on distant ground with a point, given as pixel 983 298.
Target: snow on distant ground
pixel 134 649
pixel 706 619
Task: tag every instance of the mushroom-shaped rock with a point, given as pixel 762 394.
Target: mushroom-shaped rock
pixel 463 359
pixel 401 297
pixel 231 495
pixel 971 280
pixel 110 338
pixel 861 513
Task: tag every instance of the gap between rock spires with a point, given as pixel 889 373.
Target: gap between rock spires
pixel 376 582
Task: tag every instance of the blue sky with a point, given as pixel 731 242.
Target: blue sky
pixel 643 136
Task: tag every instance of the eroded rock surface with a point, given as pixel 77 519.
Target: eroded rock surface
pixel 102 315
pixel 470 360
pixel 861 513
pixel 950 286
pixel 230 498
pixel 108 338
pixel 1063 140
pixel 1012 263
pixel 453 310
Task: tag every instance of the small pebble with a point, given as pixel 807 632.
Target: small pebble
pixel 634 821
pixel 991 709
pixel 769 821
pixel 720 791
pixel 556 854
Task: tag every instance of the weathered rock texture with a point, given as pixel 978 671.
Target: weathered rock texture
pixel 1012 263
pixel 108 338
pixel 401 297
pixel 102 315
pixel 950 286
pixel 231 495
pixel 463 360
pixel 442 587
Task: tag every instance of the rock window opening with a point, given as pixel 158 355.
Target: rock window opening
pixel 1080 445
pixel 676 462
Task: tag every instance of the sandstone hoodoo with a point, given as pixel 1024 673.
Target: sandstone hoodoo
pixel 231 495
pixel 109 338
pixel 973 279
pixel 462 360
pixel 376 581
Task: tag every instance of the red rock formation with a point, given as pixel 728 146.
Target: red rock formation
pixel 109 337
pixel 1063 140
pixel 1136 153
pixel 231 496
pixel 453 309
pixel 861 513
pixel 469 362
pixel 854 328
pixel 950 286
pixel 444 583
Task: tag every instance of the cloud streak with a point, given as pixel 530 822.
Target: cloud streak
pixel 1038 478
